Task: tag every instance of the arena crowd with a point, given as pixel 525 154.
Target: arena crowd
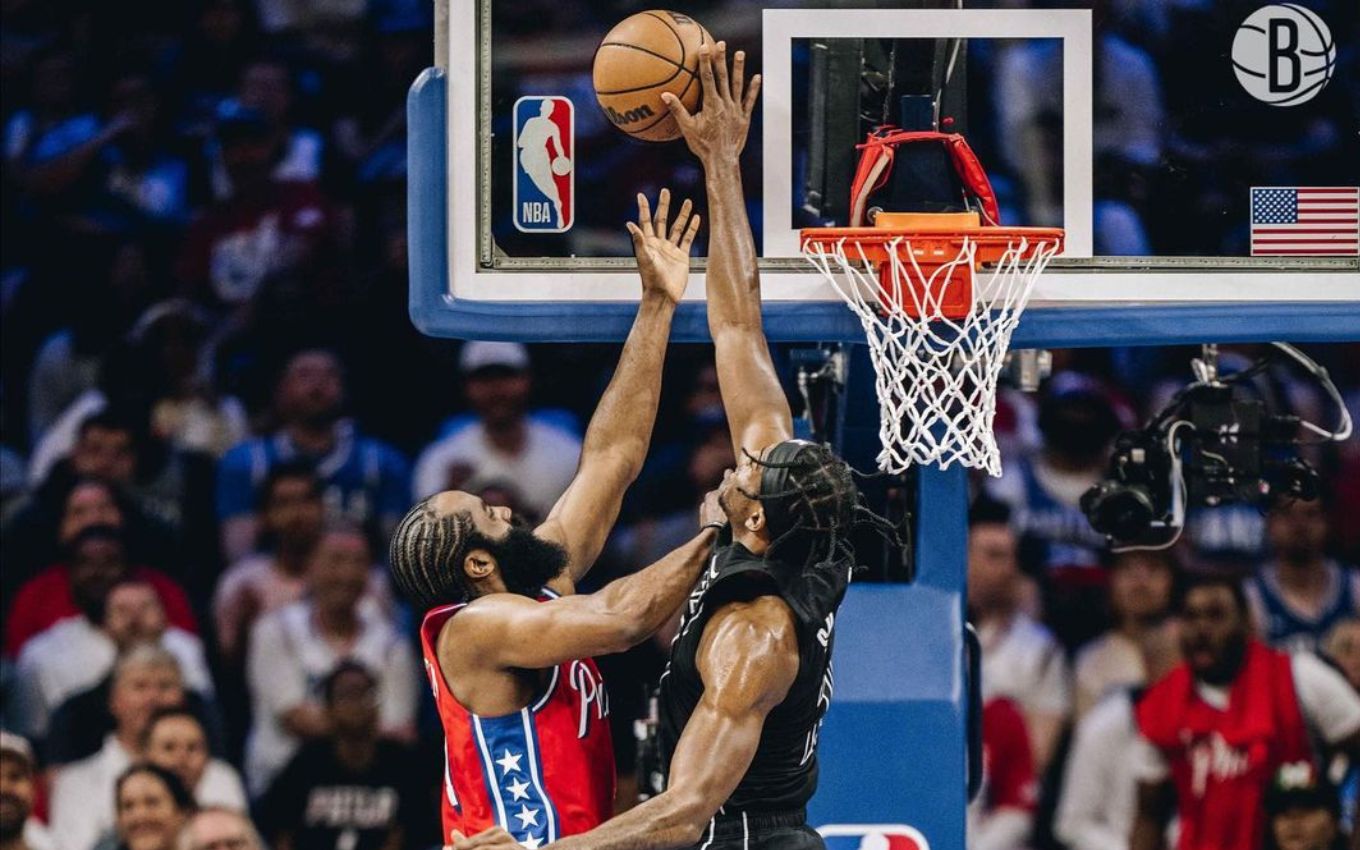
pixel 215 410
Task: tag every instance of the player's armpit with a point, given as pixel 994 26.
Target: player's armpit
pixel 748 659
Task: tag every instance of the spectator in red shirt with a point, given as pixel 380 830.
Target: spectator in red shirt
pixel 1003 814
pixel 268 233
pixel 1214 731
pixel 66 589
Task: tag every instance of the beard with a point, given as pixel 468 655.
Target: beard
pixel 526 562
pixel 13 813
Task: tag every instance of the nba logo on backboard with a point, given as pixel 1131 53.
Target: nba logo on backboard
pixel 545 164
pixel 873 837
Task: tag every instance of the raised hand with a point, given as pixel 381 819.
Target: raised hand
pixel 719 128
pixel 663 255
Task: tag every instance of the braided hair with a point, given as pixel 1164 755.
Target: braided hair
pixel 812 505
pixel 427 553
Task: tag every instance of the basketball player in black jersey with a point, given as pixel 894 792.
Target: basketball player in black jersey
pixel 749 677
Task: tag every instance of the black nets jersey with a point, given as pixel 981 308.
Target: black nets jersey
pixel 783 774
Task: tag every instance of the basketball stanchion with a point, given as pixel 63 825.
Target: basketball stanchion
pixel 938 297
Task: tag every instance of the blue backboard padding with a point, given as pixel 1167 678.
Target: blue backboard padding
pixel 436 313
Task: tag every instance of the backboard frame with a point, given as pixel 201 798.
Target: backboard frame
pixel 459 289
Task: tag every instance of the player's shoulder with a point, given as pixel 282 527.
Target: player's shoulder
pixel 765 622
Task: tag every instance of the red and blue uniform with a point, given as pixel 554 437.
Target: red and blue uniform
pixel 543 772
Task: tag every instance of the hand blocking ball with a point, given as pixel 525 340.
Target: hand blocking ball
pixel 640 59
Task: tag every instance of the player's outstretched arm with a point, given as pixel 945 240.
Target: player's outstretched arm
pixel 748 659
pixel 757 410
pixel 620 431
pixel 510 631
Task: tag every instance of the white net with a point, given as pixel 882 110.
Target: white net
pixel 937 376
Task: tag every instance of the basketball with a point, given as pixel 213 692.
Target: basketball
pixel 640 59
pixel 561 166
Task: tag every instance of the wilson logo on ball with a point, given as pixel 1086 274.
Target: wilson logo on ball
pixel 632 116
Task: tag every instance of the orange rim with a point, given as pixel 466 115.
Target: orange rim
pixel 875 244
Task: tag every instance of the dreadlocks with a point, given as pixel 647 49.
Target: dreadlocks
pixel 812 504
pixel 426 549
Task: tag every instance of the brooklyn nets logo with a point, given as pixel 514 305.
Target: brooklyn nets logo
pixel 1283 55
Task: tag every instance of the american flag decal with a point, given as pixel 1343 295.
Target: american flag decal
pixel 1318 221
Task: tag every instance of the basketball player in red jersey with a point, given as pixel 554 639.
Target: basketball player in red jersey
pixel 507 645
pixel 1215 731
pixel 749 679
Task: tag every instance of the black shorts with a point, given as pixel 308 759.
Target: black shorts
pixel 780 831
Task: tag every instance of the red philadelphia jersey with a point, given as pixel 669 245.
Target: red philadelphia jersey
pixel 542 773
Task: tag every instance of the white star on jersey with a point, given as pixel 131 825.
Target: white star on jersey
pixel 527 817
pixel 509 762
pixel 520 789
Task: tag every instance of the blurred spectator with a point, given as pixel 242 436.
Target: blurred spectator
pixel 50 144
pixel 294 648
pixel 266 232
pixel 647 540
pixel 19 830
pixel 1213 732
pixel 1099 788
pixel 266 86
pixel 80 585
pixel 214 828
pixel 206 67
pixel 1020 659
pixel 66 367
pixel 364 481
pixel 165 353
pixel 77 653
pixel 291 519
pixel 1342 647
pixel 1002 815
pixel 1141 584
pixel 348 789
pixel 146 180
pixel 1079 420
pixel 152 806
pixel 503 443
pixel 1298 597
pixel 176 740
pixel 1303 811
pixel 82 805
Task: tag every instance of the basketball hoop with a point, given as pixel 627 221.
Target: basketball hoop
pixel 938 296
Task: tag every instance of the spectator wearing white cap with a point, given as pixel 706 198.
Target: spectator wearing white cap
pixel 502 442
pixel 19 830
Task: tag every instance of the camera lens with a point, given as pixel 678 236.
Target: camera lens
pixel 1121 511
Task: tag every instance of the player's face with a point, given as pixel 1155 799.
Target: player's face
pixel 738 485
pixel 1304 829
pixel 1213 634
pixel 493 523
